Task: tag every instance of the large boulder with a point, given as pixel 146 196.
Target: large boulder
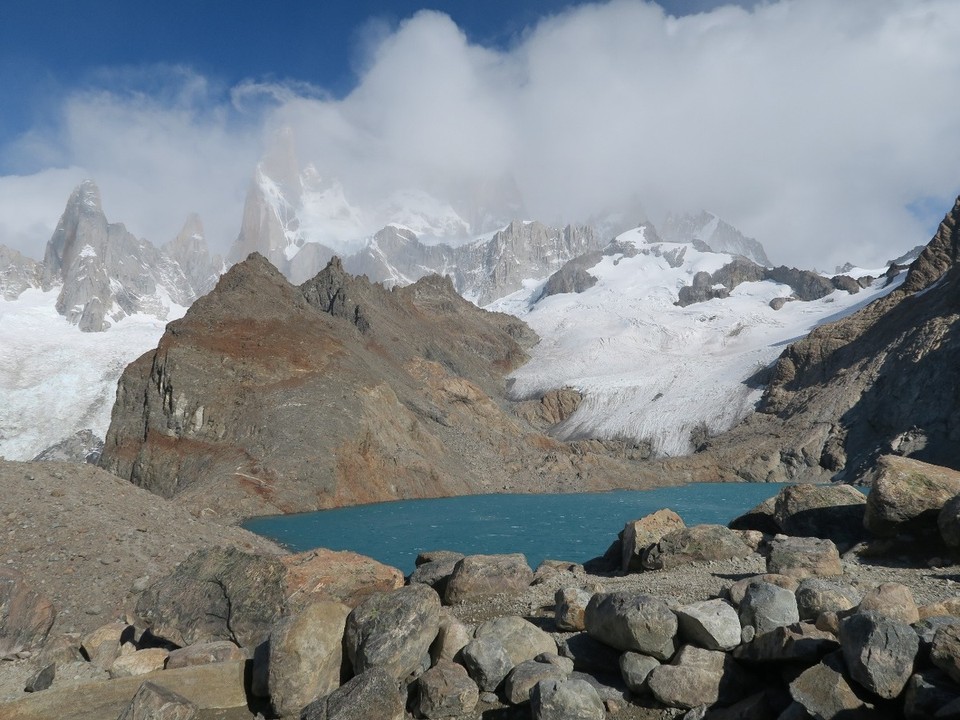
pixel 452 637
pixel 589 654
pixel 26 616
pixel 767 606
pixel 522 678
pixel 710 624
pixel 570 606
pixel 824 692
pixel 204 654
pixel 140 662
pixel 834 512
pixel 761 518
pixel 906 491
pixel 796 643
pixel 639 535
pixel 371 695
pixel 522 639
pixel 892 600
pixel 570 699
pixel 153 702
pixel 633 621
pixel 815 596
pixel 446 691
pixel 736 592
pixel 487 661
pixel 635 668
pixel 479 575
pixel 216 594
pixel 341 576
pixel 802 557
pixel 927 693
pixel 306 656
pixel 945 650
pixel 393 630
pixel 879 652
pixel 698 677
pixel 700 543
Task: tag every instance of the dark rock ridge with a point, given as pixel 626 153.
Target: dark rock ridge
pixel 268 398
pixel 879 381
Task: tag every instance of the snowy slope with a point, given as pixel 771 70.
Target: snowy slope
pixel 650 370
pixel 55 379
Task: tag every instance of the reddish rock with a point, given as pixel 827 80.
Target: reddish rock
pixel 345 577
pixel 26 616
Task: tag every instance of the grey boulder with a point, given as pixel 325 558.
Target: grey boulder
pixel 633 621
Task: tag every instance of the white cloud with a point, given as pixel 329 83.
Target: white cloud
pixel 809 124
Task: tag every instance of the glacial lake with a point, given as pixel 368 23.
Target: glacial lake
pixel 575 527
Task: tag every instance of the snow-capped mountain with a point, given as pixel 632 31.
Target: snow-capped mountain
pixel 650 368
pixel 70 324
pixel 718 235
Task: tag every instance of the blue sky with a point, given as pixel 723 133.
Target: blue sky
pixel 824 129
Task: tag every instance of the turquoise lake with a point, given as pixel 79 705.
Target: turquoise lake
pixel 573 527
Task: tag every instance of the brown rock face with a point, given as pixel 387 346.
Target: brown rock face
pixel 331 575
pixel 26 616
pixel 271 398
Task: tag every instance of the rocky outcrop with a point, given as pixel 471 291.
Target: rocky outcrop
pixel 272 398
pixel 714 232
pixel 81 447
pixel 17 273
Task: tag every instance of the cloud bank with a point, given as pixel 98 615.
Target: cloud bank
pixel 826 130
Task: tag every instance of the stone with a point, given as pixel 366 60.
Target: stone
pixel 571 604
pixel 796 643
pixel 204 653
pixel 393 630
pixel 548 569
pixel 153 702
pixel 452 637
pixel 893 600
pixel 879 652
pixel 479 575
pixel 487 662
pixel 945 650
pixel 802 557
pixel 216 594
pixel 710 624
pixel 816 596
pixel 26 616
pixel 926 693
pixel 436 574
pixel 570 699
pixel 947 606
pixel 590 655
pixel 42 679
pixel 371 695
pixel 926 630
pixel 139 663
pixel 948 522
pixel 767 606
pixel 521 679
pixel 429 556
pixel 700 543
pixel 698 677
pixel 833 512
pixel 633 621
pixel 446 691
pixel 342 576
pixel 522 639
pixel 824 692
pixel 102 646
pixel 564 663
pixel 635 668
pixel 306 656
pixel 907 491
pixel 761 518
pixel 736 591
pixel 639 535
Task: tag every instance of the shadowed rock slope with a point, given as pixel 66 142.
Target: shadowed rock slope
pixel 271 398
pixel 883 380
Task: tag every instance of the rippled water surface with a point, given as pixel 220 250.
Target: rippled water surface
pixel 573 527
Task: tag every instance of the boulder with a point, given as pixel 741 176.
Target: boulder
pixel 445 691
pixel 824 692
pixel 429 556
pixel 571 604
pixel 891 600
pixel 635 669
pixel 947 606
pixel 879 652
pixel 796 643
pixel 216 594
pixel 342 576
pixel 710 624
pixel 479 575
pixel 548 570
pixel 306 656
pixel 815 596
pixel 698 677
pixel 761 518
pixel 736 591
pixel 522 678
pixel 639 535
pixel 140 662
pixel 633 621
pixel 590 655
pixel 452 637
pixel 564 663
pixel 520 638
pixel 945 650
pixel 767 606
pixel 834 512
pixel 371 695
pixel 153 702
pixel 487 661
pixel 948 522
pixel 907 491
pixel 42 679
pixel 700 543
pixel 436 574
pixel 570 699
pixel 393 630
pixel 204 653
pixel 926 693
pixel 802 557
pixel 26 616
pixel 102 646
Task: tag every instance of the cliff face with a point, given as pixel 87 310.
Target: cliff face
pixel 267 398
pixel 883 380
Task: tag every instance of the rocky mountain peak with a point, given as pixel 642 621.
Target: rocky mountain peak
pixel 940 254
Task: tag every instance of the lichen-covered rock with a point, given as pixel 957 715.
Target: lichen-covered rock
pixel 393 630
pixel 879 652
pixel 700 543
pixel 802 557
pixel 905 491
pixel 478 575
pixel 633 621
